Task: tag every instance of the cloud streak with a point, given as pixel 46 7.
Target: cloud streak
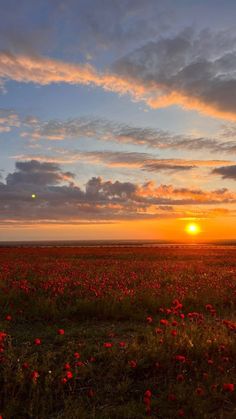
pixel 189 70
pixel 226 172
pixel 129 160
pixel 110 131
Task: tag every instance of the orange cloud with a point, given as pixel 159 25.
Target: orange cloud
pixel 44 71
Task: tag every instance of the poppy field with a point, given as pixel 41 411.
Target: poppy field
pixel 118 332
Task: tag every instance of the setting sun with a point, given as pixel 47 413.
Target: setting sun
pixel 192 228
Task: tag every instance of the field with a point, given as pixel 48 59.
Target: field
pixel 115 332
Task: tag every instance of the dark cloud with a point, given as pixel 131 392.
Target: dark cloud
pixel 37 173
pixel 89 27
pixel 227 172
pixel 60 200
pixel 192 70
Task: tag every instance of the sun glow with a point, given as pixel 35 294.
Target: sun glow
pixel 192 228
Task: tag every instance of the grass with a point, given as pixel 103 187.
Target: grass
pixel 134 320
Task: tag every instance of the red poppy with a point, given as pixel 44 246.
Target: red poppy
pixel 149 319
pixel 180 358
pixel 199 391
pixel 69 375
pixel 228 387
pixel 34 375
pixel 107 345
pixel 132 363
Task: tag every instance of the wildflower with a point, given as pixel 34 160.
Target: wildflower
pixel 158 330
pixel 122 344
pixel 77 355
pixel 228 387
pixel 174 332
pixel 180 358
pixel 69 375
pixel 25 366
pixel 79 364
pixel 34 375
pixel 149 319
pixel 8 317
pixel 164 322
pixel 199 391
pixel 148 394
pixel 107 345
pixel 37 341
pixel 61 332
pixel 132 363
pixel 2 336
pixel 67 366
pixel 64 380
pixel 148 410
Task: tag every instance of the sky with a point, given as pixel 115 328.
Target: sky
pixel 117 119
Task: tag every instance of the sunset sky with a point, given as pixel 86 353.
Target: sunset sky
pixel 117 119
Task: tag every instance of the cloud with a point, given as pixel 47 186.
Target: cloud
pixel 227 172
pixel 8 120
pixel 90 27
pixel 36 173
pixel 44 71
pixel 129 160
pixel 110 131
pixel 60 199
pixel 194 71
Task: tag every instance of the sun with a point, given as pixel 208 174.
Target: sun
pixel 192 228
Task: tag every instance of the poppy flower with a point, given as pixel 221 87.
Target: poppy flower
pixel 34 375
pixel 148 394
pixel 199 391
pixel 69 375
pixel 149 319
pixel 180 358
pixel 107 345
pixel 132 363
pixel 228 387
